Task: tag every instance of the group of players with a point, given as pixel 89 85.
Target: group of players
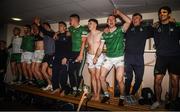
pixel 43 55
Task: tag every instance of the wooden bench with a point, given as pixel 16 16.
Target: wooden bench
pixel 75 100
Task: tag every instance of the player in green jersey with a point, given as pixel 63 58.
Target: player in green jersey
pixel 28 48
pixel 113 38
pixel 76 62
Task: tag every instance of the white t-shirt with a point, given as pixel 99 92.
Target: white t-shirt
pixel 16 44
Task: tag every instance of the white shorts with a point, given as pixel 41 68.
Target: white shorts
pixel 109 62
pixel 27 57
pixel 89 61
pixel 38 56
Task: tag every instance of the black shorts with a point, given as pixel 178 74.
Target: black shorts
pixel 49 59
pixel 170 63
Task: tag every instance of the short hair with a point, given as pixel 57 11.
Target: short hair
pixel 27 26
pixel 2 41
pixel 62 22
pixel 17 28
pixel 75 16
pixel 34 26
pixel 93 20
pixel 165 8
pixel 137 14
pixel 113 16
pixel 46 23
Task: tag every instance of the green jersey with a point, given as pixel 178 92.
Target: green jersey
pixel 114 43
pixel 28 43
pixel 177 23
pixel 77 34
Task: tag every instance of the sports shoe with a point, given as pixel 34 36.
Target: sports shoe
pixel 12 82
pixel 19 82
pixel 133 99
pixel 77 93
pixel 128 99
pixel 30 82
pixel 48 87
pixel 155 105
pixel 121 102
pixel 105 99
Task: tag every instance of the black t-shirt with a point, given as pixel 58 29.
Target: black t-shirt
pixel 135 39
pixel 167 39
pixel 63 46
pixel 38 38
pixel 45 32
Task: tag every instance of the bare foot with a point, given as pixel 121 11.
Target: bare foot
pixel 62 93
pixel 55 91
pixel 93 97
pixel 97 98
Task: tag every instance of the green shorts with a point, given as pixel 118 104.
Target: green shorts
pixel 16 57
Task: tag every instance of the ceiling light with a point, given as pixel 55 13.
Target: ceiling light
pixel 16 19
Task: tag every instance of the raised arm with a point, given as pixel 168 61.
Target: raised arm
pixel 124 17
pixel 48 32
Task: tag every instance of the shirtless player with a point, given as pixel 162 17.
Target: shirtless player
pixel 38 55
pixel 93 41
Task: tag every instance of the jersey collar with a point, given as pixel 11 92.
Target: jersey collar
pixel 77 26
pixel 112 30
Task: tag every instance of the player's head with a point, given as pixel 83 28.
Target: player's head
pixel 27 29
pixel 34 29
pixel 164 13
pixel 136 19
pixel 92 24
pixel 46 25
pixel 62 26
pixel 16 31
pixel 111 21
pixel 74 19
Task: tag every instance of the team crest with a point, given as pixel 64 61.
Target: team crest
pixel 159 30
pixel 132 29
pixel 141 29
pixel 171 29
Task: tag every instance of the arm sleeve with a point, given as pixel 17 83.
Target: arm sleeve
pixel 84 32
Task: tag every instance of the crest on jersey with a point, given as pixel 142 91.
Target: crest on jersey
pixel 171 29
pixel 159 30
pixel 141 29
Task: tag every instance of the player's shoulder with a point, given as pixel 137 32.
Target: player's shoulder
pixel 68 33
pixel 70 28
pixel 177 24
